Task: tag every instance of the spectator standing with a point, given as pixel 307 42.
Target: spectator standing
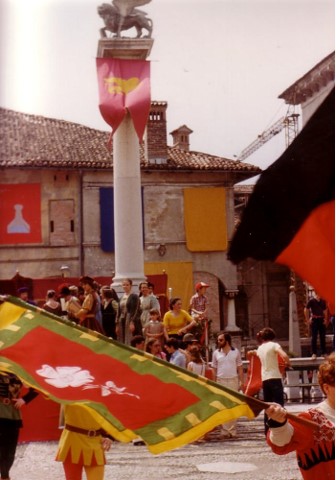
pixel 52 305
pixel 316 314
pixel 199 302
pixel 128 321
pixel 151 287
pixel 176 321
pixel 271 376
pixel 147 303
pixel 155 328
pixel 109 308
pixel 98 312
pixel 315 449
pixel 10 418
pixel 228 371
pixel 175 356
pixel 87 313
pixel 199 311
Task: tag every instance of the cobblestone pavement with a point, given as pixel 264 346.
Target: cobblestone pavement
pixel 35 461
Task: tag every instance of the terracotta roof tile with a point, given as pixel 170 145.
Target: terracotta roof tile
pixel 180 159
pixel 35 141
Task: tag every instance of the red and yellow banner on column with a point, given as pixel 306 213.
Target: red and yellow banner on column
pixel 124 85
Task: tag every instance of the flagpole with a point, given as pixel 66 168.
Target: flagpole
pixel 259 405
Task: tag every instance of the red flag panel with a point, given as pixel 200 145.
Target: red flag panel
pixel 137 391
pixel 311 252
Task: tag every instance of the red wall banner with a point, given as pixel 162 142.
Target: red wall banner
pixel 20 213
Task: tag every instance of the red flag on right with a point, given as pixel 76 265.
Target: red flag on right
pixel 290 217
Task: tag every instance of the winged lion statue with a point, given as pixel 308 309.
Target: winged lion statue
pixel 123 15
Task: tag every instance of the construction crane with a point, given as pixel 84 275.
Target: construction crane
pixel 289 122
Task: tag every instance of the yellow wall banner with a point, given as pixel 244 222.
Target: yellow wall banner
pixel 205 219
pixel 180 278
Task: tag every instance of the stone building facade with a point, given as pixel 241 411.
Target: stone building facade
pixel 62 174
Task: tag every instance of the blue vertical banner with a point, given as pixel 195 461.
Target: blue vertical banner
pixel 106 219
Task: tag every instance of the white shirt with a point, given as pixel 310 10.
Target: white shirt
pixel 268 354
pixel 198 368
pixel 226 363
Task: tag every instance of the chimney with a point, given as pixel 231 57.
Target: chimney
pixel 181 137
pixel 157 133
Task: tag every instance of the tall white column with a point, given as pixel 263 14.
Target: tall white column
pixel 128 231
pixel 231 327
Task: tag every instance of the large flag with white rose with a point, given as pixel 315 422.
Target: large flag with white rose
pixel 130 393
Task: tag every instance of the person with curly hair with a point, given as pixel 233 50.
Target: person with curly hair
pixel 315 448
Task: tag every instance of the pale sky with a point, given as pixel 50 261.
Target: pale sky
pixel 220 64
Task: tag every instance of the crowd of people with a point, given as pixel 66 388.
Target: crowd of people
pixel 129 315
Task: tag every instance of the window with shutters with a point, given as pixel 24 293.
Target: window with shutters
pixel 62 222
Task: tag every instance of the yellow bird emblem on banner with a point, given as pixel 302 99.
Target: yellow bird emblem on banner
pixel 121 85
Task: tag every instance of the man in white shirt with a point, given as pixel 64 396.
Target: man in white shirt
pixel 228 371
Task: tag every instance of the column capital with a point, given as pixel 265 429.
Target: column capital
pixel 125 48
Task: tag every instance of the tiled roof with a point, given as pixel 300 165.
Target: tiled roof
pixel 179 159
pixel 34 141
pixel 312 82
